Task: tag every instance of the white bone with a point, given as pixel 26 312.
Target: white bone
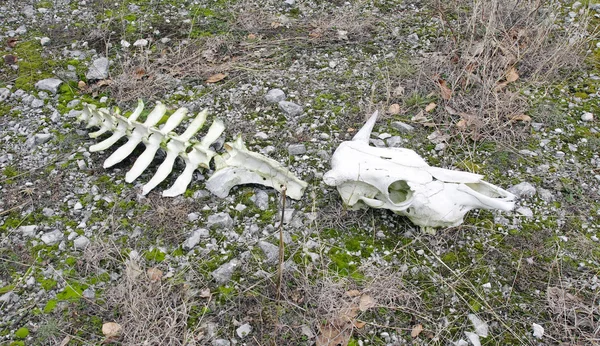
pixel 400 180
pixel 139 133
pixel 103 119
pixel 240 166
pixel 199 156
pixel 123 125
pixel 175 147
pixel 153 143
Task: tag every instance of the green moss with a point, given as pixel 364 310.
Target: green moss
pixel 72 292
pixel 50 305
pixel 17 343
pixel 155 255
pixel 32 65
pixel 47 284
pixel 22 333
pixel 6 289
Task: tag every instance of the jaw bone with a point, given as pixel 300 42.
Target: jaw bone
pixel 238 166
pixel 400 180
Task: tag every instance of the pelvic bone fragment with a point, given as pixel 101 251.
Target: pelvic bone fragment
pixel 238 166
pixel 400 180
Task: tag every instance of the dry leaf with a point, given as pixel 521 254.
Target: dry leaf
pixel 353 293
pixel 444 90
pixel 139 73
pixel 81 85
pixel 359 324
pixel 366 302
pixel 111 329
pixel 420 117
pixel 65 341
pixel 275 25
pixel 216 78
pixel 350 130
pixel 450 110
pixel 104 82
pixel 315 34
pixel 430 107
pixel 521 117
pixel 251 36
pixel 511 75
pixel 394 109
pixel 333 335
pixel 205 293
pixel 416 330
pixel 348 314
pixel 500 86
pixel 10 59
pixel 12 42
pixel 155 274
pixel 461 124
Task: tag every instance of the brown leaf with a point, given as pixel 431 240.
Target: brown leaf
pixel 111 329
pixel 358 324
pixel 65 341
pixel 154 274
pixel 394 109
pixel 461 124
pixel 251 36
pixel 353 293
pixel 12 42
pixel 139 73
pixel 350 130
pixel 366 302
pixel 511 75
pixel 430 107
pixel 104 82
pixel 216 78
pixel 450 110
pixel 333 335
pixel 276 25
pixel 399 91
pixel 420 117
pixel 315 34
pixel 444 90
pixel 349 313
pixel 500 86
pixel 521 117
pixel 10 59
pixel 416 330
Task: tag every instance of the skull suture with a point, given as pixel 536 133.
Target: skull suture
pixel 237 166
pixel 400 180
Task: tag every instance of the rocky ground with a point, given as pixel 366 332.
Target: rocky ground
pixel 85 258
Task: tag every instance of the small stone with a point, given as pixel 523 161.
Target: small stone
pixel 275 96
pixel 142 42
pixel 240 207
pixel 271 251
pixel 377 142
pixel 194 238
pixel 53 237
pixel 243 330
pixel 587 116
pixel 73 103
pixel 81 242
pixel 559 154
pixel 413 38
pixel 220 220
pixel 21 30
pixel 193 217
pixel 523 189
pixel 28 231
pixel 78 206
pixel 297 149
pixel 332 64
pixel 99 69
pixel 545 195
pixel 290 108
pixel 394 141
pixel 37 103
pixel 221 342
pixel 89 293
pixel 261 199
pixel 9 297
pixel 525 211
pixel 49 84
pixel 261 135
pixel 44 41
pixel 125 44
pixel 402 127
pixel 290 3
pixel 4 94
pixel 47 212
pixel 538 331
pixel 223 274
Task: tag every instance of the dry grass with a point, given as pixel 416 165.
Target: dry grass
pixel 491 47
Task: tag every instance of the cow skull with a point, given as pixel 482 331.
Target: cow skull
pixel 400 180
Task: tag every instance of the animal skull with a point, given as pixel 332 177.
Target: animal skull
pixel 400 180
pixel 238 166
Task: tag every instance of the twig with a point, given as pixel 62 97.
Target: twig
pixel 281 244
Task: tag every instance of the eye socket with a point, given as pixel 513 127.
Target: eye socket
pixel 399 192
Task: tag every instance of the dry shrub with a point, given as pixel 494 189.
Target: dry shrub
pixel 573 317
pixel 150 311
pixel 492 45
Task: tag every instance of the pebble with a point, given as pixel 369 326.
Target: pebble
pixel 275 96
pixel 142 42
pixel 98 70
pixel 525 211
pixel 28 231
pixel 49 84
pixel 243 330
pixel 4 94
pixel 44 41
pixel 261 135
pixel 125 44
pixel 53 237
pixel 297 149
pixel 37 103
pixel 271 251
pixel 220 220
pixel 290 108
pixel 89 293
pixel 402 127
pixel 193 217
pixel 261 199
pixel 587 116
pixel 524 189
pixel 47 212
pixel 223 274
pixel 81 242
pixel 194 238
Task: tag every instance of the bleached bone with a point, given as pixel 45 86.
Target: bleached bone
pixel 123 125
pixel 138 134
pixel 240 166
pixel 252 168
pixel 400 180
pixel 176 146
